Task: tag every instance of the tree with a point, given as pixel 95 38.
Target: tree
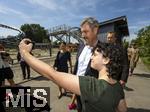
pixel 35 32
pixel 125 43
pixel 143 40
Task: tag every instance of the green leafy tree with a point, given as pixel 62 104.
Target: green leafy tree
pixel 35 32
pixel 143 40
pixel 125 43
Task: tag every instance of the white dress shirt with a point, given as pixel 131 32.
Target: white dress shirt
pixel 83 60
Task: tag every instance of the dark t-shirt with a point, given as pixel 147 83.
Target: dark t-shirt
pixel 99 95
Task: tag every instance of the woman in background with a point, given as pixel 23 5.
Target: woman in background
pixel 61 65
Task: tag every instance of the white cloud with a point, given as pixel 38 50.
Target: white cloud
pixel 122 10
pixel 88 4
pixel 9 11
pixel 132 36
pixel 2 10
pixel 138 25
pixel 48 4
pixel 91 4
pixel 133 27
pixel 63 10
pixel 143 9
pixel 5 32
pixel 67 5
pixel 144 22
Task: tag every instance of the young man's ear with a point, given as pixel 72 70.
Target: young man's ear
pixel 106 60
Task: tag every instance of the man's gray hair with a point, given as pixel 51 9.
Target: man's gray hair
pixel 91 21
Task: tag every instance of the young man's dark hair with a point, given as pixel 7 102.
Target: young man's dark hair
pixel 113 52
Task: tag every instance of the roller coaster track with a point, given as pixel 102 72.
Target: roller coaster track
pixel 9 27
pixel 9 41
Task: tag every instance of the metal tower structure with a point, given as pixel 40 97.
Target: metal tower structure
pixel 65 33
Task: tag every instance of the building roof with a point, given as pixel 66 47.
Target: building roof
pixel 120 22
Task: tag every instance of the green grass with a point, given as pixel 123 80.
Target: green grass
pixel 146 61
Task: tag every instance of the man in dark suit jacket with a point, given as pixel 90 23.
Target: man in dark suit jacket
pixel 123 76
pixel 89 31
pixel 89 71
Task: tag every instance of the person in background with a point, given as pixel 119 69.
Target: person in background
pixel 25 68
pixel 104 94
pixel 69 48
pixel 112 38
pixel 133 54
pixel 61 65
pixel 6 71
pixel 1 66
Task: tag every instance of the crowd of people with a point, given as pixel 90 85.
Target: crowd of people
pixel 100 72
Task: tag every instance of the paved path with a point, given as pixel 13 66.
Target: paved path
pixel 137 90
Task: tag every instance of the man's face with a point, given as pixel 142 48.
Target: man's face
pixel 111 38
pixel 88 33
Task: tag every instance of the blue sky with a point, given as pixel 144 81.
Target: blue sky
pixel 50 13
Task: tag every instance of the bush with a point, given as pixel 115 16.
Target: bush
pixel 146 61
pixel 144 52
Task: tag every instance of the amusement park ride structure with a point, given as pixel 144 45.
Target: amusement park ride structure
pixel 61 33
pixel 66 33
